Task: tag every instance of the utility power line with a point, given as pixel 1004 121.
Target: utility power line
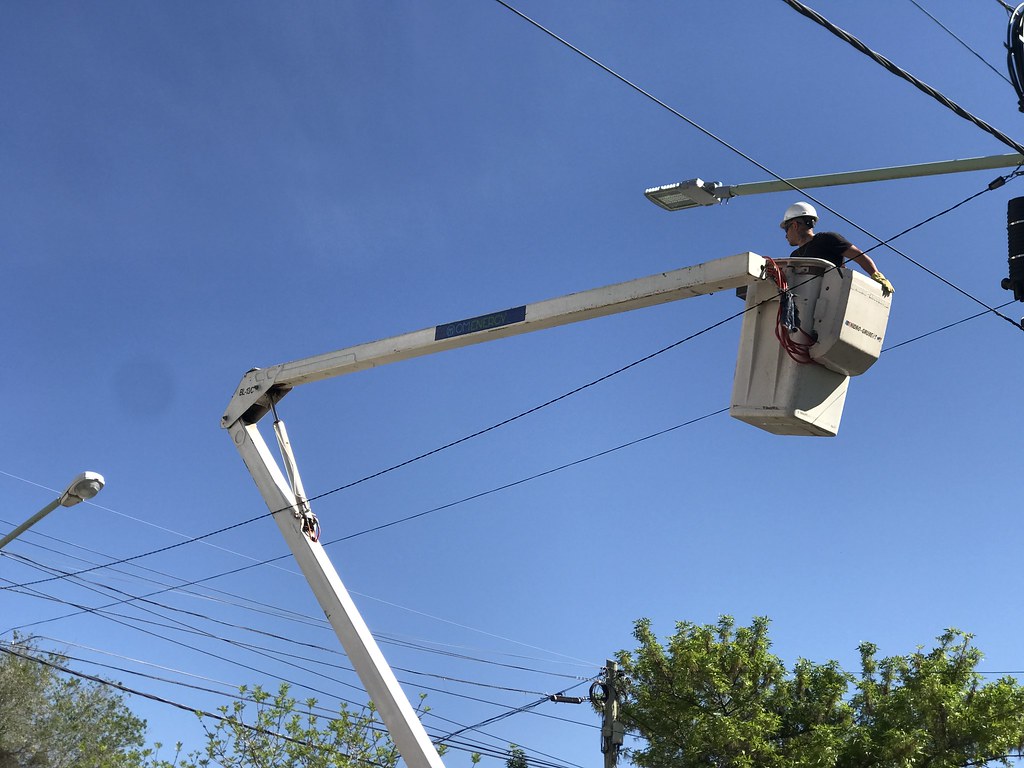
pixel 860 46
pixel 962 42
pixel 899 72
pixel 152 697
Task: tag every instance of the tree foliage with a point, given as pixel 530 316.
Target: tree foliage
pixel 715 695
pixel 49 720
pixel 516 757
pixel 263 730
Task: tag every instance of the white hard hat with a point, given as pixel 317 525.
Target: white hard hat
pixel 799 210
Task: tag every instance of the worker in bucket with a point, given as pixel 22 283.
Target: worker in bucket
pixel 798 223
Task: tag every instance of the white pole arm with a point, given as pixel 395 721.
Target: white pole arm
pixel 260 388
pixel 696 192
pixel 878 174
pixel 387 695
pixel 30 522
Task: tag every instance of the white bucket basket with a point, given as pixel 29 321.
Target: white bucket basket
pixel 847 315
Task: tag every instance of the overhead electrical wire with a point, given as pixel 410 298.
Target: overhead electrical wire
pixel 469 747
pixel 378 727
pixel 263 651
pixel 400 643
pixel 274 655
pixel 152 697
pixel 444 677
pixel 902 73
pixel 522 480
pixel 643 92
pixel 888 243
pixel 382 526
pixel 294 616
pixel 764 168
pixel 710 134
pixel 229 691
pixel 468 498
pixel 65 643
pixel 559 398
pixel 491 720
pixel 394 467
pixel 382 638
pixel 944 328
pixel 244 602
pixel 962 42
pixel 132 623
pixel 320 648
pixel 274 611
pixel 133 558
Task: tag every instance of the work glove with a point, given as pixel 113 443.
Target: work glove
pixel 887 289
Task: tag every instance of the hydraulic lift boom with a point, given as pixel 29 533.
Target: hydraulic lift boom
pixel 260 390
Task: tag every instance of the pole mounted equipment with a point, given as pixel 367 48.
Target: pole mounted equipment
pixel 1015 53
pixel 1015 240
pixel 606 694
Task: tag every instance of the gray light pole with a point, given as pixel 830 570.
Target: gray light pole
pixel 84 486
pixel 697 192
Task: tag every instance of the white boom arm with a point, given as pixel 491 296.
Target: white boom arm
pixel 260 389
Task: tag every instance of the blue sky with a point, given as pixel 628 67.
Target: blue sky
pixel 190 191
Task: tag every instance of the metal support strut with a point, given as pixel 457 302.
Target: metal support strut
pixel 294 517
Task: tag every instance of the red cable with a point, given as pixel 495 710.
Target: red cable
pixel 798 352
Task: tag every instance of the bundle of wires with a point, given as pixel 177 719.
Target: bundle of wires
pixel 787 321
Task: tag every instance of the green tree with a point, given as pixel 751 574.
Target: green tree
pixel 715 695
pixel 263 730
pixel 516 757
pixel 49 720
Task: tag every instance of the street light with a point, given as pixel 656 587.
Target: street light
pixel 84 486
pixel 697 192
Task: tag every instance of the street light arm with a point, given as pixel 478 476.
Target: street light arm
pixel 30 522
pixel 696 192
pixel 84 486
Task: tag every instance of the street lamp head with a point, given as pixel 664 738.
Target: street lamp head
pixel 687 194
pixel 83 487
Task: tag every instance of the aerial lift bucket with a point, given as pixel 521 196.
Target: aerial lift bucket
pixel 846 315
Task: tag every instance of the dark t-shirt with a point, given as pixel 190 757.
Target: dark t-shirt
pixel 829 246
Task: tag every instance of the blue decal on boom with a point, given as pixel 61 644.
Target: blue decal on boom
pixel 482 323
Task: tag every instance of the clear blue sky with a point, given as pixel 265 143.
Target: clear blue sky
pixel 191 190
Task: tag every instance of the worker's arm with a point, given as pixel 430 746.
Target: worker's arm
pixel 865 262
